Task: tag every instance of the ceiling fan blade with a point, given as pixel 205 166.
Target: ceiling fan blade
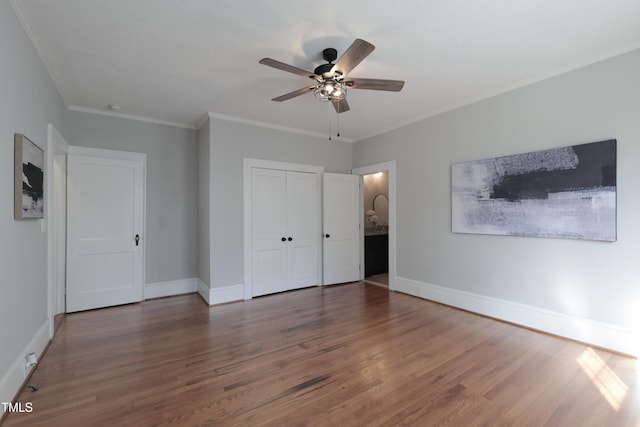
pixel 375 84
pixel 286 67
pixel 293 94
pixel 358 50
pixel 341 106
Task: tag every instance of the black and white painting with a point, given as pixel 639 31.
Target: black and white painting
pixel 567 192
pixel 29 179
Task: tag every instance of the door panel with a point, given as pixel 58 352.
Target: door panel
pixel 105 211
pixel 269 272
pixel 341 222
pixel 116 198
pixel 303 223
pixel 105 272
pixel 268 218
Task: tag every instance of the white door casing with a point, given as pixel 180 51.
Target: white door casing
pixel 56 219
pixel 341 228
pixel 59 224
pixel 105 200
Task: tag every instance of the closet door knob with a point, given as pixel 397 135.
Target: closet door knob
pixel 284 239
pixel 327 236
pixel 290 239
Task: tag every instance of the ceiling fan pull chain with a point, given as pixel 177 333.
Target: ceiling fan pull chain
pixel 330 130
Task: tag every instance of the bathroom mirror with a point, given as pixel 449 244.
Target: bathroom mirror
pixel 381 206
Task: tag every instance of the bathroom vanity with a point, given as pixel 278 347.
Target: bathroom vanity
pixel 376 252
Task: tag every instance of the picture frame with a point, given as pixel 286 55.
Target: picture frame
pixel 567 192
pixel 28 179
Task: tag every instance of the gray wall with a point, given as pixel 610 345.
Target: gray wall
pixel 29 101
pixel 589 279
pixel 230 143
pixel 172 186
pixel 204 238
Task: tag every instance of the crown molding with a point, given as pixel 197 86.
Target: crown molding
pixel 28 29
pixel 204 119
pixel 131 117
pixel 274 127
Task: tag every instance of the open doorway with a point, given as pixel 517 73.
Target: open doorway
pixel 56 181
pixel 390 168
pixel 376 227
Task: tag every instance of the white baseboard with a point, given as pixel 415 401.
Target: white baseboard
pixel 166 289
pixel 617 338
pixel 204 291
pixel 227 294
pixel 222 295
pixel 12 380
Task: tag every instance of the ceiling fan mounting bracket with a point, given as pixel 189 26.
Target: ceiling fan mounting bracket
pixel 330 54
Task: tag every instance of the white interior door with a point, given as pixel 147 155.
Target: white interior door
pixel 303 229
pixel 105 223
pixel 268 224
pixel 285 224
pixel 341 225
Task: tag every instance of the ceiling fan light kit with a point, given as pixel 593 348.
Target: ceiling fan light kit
pixel 332 79
pixel 330 90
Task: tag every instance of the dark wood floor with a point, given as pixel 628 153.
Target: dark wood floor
pixel 352 355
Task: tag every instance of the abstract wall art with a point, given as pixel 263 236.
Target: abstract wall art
pixel 28 179
pixel 567 192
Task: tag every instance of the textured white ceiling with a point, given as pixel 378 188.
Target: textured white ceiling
pixel 175 60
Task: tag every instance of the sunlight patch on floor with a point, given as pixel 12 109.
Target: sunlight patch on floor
pixel 612 388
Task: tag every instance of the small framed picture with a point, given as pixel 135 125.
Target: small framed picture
pixel 28 179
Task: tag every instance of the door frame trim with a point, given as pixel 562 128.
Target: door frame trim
pixel 75 150
pixel 56 145
pixel 247 165
pixel 389 166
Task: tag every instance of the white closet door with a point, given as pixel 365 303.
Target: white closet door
pixel 341 222
pixel 268 223
pixel 303 228
pixel 105 260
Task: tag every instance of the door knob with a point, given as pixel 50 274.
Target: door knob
pixel 137 239
pixel 290 239
pixel 284 239
pixel 327 236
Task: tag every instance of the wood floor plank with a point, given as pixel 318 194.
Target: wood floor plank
pixel 351 355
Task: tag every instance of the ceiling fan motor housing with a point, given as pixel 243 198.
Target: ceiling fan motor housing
pixel 323 70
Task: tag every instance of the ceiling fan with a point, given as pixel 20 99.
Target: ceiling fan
pixel 331 80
